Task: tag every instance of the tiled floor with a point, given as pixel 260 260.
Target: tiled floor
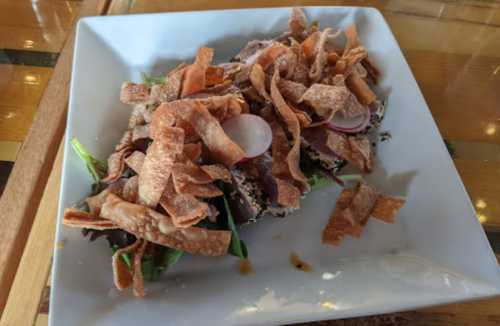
pixel 32 32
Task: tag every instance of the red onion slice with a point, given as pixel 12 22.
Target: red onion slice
pixel 252 133
pixel 349 125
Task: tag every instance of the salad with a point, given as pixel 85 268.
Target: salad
pixel 210 147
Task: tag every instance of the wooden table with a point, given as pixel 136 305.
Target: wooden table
pixel 453 48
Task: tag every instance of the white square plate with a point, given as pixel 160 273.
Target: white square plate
pixel 437 252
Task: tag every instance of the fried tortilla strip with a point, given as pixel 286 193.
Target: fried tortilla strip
pixel 172 89
pixel 125 141
pixel 148 224
pixel 79 219
pixel 132 93
pixel 337 227
pixel 292 91
pixel 158 163
pixel 138 280
pixel 184 209
pixel 122 276
pixel 292 123
pixel 183 173
pixel 287 194
pixel 214 75
pixel 386 208
pixel 206 126
pixel 258 80
pixel 140 132
pixel 116 165
pixel 326 100
pixel 319 63
pixel 192 151
pixel 360 88
pixel 135 161
pixel 297 22
pixel 95 202
pixel 301 69
pixel 195 78
pixel 361 205
pixel 355 149
pixel 304 118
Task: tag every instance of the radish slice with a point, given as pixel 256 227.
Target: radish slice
pixel 349 125
pixel 252 133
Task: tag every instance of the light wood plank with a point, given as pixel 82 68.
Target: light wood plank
pixel 24 189
pixel 22 306
pixel 9 150
pixel 21 85
pixel 42 320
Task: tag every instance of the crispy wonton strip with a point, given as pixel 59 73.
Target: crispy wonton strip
pixel 135 161
pixel 201 191
pixel 279 151
pixel 206 126
pixel 326 100
pixel 386 208
pixel 148 224
pixel 138 281
pixel 361 205
pixel 321 55
pixel 192 151
pixel 217 172
pixel 184 209
pixel 287 194
pixel 122 276
pixel 258 79
pixel 158 164
pixel 130 190
pixel 309 46
pixel 338 227
pixel 355 149
pixel 269 55
pixel 140 132
pixel 80 219
pixel 125 141
pixel 196 73
pixel 132 94
pixel 297 22
pixel 116 165
pixel 292 123
pixel 360 88
pixel 214 76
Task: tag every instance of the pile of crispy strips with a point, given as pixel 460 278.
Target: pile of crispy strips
pixel 177 152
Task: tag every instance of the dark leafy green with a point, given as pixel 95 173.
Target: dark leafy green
pixel 318 181
pixel 153 80
pixel 97 169
pixel 237 247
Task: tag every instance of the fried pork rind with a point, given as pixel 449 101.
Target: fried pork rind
pixel 268 56
pixel 258 79
pixel 80 219
pixel 309 47
pixel 354 207
pixel 195 78
pixel 135 161
pixel 192 151
pixel 354 149
pixel 326 100
pixel 132 93
pixel 140 115
pixel 155 172
pixel 214 75
pixel 204 123
pixel 297 22
pixel 293 126
pixel 148 224
pixel 122 276
pixel 316 72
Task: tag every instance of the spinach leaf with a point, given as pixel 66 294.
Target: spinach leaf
pixel 159 260
pixel 97 169
pixel 237 247
pixel 318 181
pixel 152 80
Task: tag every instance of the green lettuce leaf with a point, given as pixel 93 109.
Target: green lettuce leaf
pixel 152 80
pixel 97 169
pixel 237 247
